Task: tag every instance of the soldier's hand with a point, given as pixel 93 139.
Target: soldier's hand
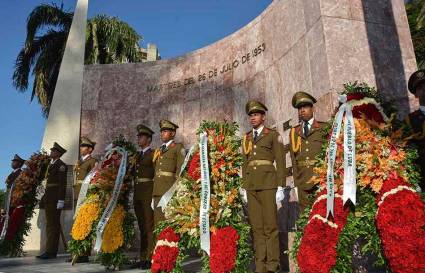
pixel 280 195
pixel 244 197
pixel 60 204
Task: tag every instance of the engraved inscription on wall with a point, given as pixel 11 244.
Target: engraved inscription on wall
pixel 237 62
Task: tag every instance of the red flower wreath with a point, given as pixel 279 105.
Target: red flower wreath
pixel 15 221
pixel 166 251
pixel 317 252
pixel 401 221
pixel 223 250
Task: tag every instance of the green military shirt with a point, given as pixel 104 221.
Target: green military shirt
pixel 142 171
pixel 303 150
pixel 83 167
pixel 258 170
pixel 9 182
pixel 167 167
pixel 56 178
pixel 12 177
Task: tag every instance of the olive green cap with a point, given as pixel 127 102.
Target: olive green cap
pixel 255 107
pixel 167 125
pixel 414 80
pixel 144 130
pixel 58 148
pixel 18 159
pixel 86 142
pixel 302 98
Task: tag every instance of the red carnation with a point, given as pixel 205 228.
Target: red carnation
pixel 15 222
pixel 165 256
pixel 317 252
pixel 400 222
pixel 194 170
pixel 355 96
pixel 223 250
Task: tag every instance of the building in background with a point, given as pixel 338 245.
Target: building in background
pixel 150 53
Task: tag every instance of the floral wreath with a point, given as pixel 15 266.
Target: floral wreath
pixel 389 213
pixel 229 232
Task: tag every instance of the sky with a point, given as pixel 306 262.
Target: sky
pixel 175 26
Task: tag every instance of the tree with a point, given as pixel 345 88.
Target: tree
pixel 108 40
pixel 416 13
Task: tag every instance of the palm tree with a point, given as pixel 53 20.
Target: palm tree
pixel 415 14
pixel 108 40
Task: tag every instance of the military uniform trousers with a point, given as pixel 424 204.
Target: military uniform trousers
pixel 76 192
pixel 144 214
pixel 262 215
pixel 166 179
pixel 53 227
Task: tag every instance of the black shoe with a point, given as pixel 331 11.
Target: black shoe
pixel 46 256
pixel 82 259
pixel 145 265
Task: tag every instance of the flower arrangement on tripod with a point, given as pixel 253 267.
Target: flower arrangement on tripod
pixel 102 216
pixel 228 233
pixel 388 213
pixel 23 200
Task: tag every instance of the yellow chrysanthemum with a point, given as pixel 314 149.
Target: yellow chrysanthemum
pixel 113 236
pixel 82 226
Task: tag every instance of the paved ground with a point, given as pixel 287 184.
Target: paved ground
pixel 33 265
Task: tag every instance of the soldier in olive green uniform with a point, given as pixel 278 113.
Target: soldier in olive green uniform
pixel 84 165
pixel 305 142
pixel 17 163
pixel 416 121
pixel 53 200
pixel 262 147
pixel 142 171
pixel 168 160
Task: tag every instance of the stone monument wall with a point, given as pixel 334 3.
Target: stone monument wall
pixel 309 45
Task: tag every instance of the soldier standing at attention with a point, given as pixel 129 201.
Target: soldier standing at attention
pixel 262 147
pixel 17 163
pixel 168 160
pixel 306 140
pixel 53 200
pixel 416 121
pixel 142 171
pixel 84 165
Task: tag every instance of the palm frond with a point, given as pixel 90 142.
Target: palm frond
pixel 28 56
pixel 47 15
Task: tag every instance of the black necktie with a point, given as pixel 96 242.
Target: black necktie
pixel 255 135
pixel 306 128
pixel 163 147
pixel 142 154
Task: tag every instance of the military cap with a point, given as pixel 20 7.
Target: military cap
pixel 255 107
pixel 167 125
pixel 144 130
pixel 18 159
pixel 414 80
pixel 58 148
pixel 302 98
pixel 86 142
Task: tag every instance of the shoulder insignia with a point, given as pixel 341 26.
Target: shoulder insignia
pixel 183 151
pixel 62 168
pixel 172 145
pixel 266 130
